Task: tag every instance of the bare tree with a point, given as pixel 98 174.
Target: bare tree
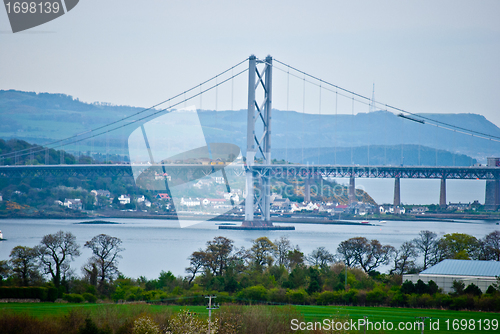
pixel 218 252
pixel 283 246
pixel 320 257
pixel 368 254
pixel 55 252
pixel 404 258
pixel 197 262
pixel 348 249
pixel 24 263
pixel 492 245
pixel 4 269
pixel 426 244
pixel 106 252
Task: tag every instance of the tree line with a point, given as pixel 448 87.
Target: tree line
pixel 28 266
pixel 269 271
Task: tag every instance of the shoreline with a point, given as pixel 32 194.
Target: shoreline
pixel 292 219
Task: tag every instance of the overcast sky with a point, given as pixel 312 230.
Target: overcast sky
pixel 423 56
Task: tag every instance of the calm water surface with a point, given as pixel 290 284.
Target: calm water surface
pixel 153 245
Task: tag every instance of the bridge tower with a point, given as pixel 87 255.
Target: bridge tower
pixel 259 84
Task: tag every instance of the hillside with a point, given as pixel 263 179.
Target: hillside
pixel 41 118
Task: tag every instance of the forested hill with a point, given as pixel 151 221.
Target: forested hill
pixel 43 117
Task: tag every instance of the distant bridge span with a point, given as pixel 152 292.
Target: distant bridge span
pixel 410 172
pixel 308 172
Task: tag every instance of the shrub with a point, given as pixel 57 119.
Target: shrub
pixel 145 325
pixel 73 297
pixel 91 328
pixel 327 298
pixel 473 289
pixel 297 296
pixel 256 293
pixel 89 297
pixel 185 322
pixel 376 296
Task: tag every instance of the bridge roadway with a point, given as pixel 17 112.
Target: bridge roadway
pixel 412 172
pixel 194 171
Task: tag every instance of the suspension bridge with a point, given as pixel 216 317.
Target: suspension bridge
pixel 259 167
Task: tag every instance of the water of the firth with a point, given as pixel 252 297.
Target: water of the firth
pixel 153 245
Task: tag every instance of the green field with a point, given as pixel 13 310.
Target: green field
pixel 310 313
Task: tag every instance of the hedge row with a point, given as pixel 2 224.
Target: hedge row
pixel 42 293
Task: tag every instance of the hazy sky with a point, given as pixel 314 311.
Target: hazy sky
pixel 424 56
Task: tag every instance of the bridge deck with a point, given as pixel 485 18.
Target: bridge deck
pixel 413 172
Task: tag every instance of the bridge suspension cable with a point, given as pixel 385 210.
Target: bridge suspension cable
pixel 366 100
pixel 75 138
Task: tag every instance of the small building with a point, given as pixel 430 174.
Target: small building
pixel 190 202
pixel 213 201
pixel 101 192
pixel 163 196
pixel 459 206
pixel 481 273
pixel 73 203
pixel 419 210
pixel 124 199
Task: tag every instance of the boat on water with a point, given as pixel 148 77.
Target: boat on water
pixel 1 236
pixel 382 222
pixel 365 222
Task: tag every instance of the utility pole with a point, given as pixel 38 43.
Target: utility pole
pixel 210 308
pixel 422 319
pixel 345 267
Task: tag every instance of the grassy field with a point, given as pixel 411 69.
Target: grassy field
pixel 310 313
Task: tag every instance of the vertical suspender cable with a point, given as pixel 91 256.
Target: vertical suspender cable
pixel 470 150
pixel 336 109
pixel 454 144
pixel 216 99
pixel 352 132
pixel 385 135
pixel 419 135
pixel 287 112
pixel 402 161
pixel 232 100
pixel 319 124
pixel 436 143
pixel 303 117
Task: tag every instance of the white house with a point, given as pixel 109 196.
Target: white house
pixel 124 199
pixel 190 202
pixel 101 192
pixel 74 204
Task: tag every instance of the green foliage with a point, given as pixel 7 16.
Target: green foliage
pixel 473 289
pixel 73 298
pixel 297 297
pixel 145 325
pixel 253 294
pixel 91 328
pixel 89 297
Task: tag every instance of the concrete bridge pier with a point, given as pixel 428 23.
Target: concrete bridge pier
pixel 397 191
pixel 492 194
pixel 442 194
pixel 352 190
pixel 307 189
